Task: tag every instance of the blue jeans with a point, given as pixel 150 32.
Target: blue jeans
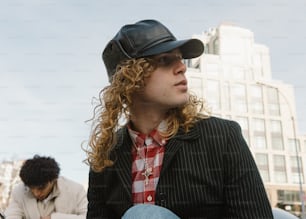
pixel 147 211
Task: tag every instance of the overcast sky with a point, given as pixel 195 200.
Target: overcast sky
pixel 51 67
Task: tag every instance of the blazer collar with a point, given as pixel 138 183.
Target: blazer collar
pixel 123 159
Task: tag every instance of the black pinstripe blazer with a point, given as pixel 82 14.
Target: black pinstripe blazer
pixel 207 173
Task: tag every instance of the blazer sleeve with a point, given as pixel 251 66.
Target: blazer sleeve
pixel 96 205
pixel 244 190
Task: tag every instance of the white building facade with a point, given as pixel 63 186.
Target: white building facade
pixel 9 176
pixel 234 77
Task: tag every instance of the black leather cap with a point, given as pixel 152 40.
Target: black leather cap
pixel 146 38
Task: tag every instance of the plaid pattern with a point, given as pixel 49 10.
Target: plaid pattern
pixel 150 147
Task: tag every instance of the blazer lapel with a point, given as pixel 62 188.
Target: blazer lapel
pixel 175 143
pixel 123 160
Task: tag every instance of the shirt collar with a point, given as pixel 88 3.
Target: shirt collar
pixel 54 193
pixel 140 139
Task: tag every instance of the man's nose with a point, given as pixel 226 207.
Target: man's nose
pixel 180 67
pixel 36 192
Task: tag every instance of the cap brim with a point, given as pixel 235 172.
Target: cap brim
pixel 190 48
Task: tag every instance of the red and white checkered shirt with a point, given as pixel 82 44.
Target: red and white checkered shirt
pixel 150 148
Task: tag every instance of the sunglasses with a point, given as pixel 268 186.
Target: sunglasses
pixel 166 59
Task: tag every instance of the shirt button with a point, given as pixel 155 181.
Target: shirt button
pixel 149 198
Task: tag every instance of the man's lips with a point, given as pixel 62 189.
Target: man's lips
pixel 183 82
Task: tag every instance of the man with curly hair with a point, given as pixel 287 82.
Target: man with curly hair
pixel 154 151
pixel 43 194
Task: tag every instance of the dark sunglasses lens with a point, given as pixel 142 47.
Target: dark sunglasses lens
pixel 168 59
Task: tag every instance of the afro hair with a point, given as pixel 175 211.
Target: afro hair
pixel 39 171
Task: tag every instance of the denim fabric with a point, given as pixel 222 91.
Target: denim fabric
pixel 147 211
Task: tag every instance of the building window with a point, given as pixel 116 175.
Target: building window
pixel 276 127
pixel 212 70
pixel 193 63
pixel 239 102
pixel 273 101
pixel 276 135
pixel 256 103
pixel 277 143
pixel 260 142
pixel 257 107
pixel 296 169
pixel 226 97
pixel 288 200
pixel 294 146
pixel 259 125
pixel 213 94
pixel 280 174
pixel 263 166
pixel 197 87
pixel 259 133
pixel 216 46
pixel 288 196
pixel 244 123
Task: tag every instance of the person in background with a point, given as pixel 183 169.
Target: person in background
pixel 43 194
pixel 155 151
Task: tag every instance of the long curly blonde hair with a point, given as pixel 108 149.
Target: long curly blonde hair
pixel 113 106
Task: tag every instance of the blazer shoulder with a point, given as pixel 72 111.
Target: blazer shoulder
pixel 218 123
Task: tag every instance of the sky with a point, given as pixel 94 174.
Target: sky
pixel 51 66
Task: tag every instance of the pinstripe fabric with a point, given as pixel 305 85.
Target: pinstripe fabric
pixel 207 173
